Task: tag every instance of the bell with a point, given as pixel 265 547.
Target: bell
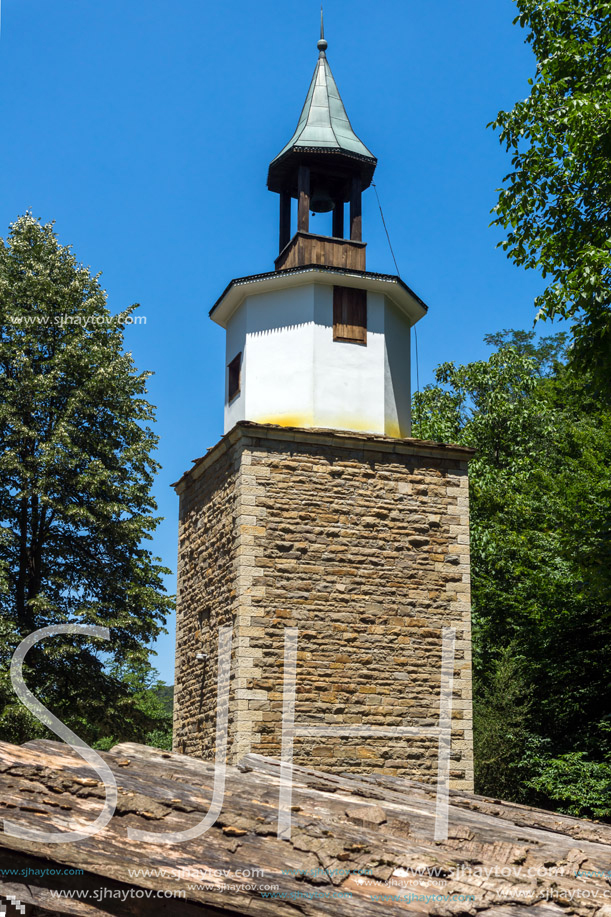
pixel 321 202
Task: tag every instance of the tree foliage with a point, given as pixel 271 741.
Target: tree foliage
pixel 556 202
pixel 540 487
pixel 151 708
pixel 75 477
pixel 501 737
pixel 577 786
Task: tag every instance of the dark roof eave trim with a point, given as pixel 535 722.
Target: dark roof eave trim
pixel 331 150
pixel 318 267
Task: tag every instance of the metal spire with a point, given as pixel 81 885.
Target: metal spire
pixel 322 44
pixel 323 128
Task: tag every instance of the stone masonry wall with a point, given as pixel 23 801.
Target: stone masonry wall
pixel 205 595
pixel 361 542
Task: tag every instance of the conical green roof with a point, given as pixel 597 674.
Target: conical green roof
pixel 324 126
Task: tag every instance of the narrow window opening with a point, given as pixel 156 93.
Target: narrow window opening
pixel 235 377
pixel 350 315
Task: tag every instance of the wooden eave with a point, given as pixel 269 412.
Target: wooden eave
pixel 404 298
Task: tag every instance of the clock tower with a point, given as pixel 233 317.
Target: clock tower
pixel 317 510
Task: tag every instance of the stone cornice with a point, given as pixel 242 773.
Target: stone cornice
pixel 249 432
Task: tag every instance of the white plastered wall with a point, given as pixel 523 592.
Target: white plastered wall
pixel 295 374
pixel 397 372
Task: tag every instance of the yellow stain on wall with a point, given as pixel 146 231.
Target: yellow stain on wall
pixel 335 422
pixel 393 429
pixel 287 420
pixel 350 422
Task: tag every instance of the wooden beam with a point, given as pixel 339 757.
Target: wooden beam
pixel 309 248
pixel 338 219
pixel 368 832
pixel 285 218
pixel 303 187
pixel 356 218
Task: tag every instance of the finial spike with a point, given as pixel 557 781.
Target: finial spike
pixel 322 44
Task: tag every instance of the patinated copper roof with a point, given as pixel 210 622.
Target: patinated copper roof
pixel 324 126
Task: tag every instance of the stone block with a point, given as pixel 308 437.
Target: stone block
pixel 365 550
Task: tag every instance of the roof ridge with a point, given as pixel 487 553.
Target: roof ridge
pixel 314 132
pixel 328 100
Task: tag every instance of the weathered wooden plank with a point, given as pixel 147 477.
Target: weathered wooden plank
pixel 285 219
pixel 353 836
pixel 303 203
pixel 356 213
pixel 89 895
pixel 349 314
pixel 307 248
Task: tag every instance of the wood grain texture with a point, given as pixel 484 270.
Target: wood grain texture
pixel 307 249
pixel 349 315
pixel 285 218
pixel 303 200
pixel 356 213
pixel 350 836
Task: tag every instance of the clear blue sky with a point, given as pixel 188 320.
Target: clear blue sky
pixel 144 129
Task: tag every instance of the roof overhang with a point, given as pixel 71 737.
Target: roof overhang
pixel 337 164
pixel 408 302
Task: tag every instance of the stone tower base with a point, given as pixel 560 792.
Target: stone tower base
pixel 362 543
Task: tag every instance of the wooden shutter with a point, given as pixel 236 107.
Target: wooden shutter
pixel 349 315
pixel 235 373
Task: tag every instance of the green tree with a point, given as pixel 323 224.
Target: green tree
pixel 150 706
pixel 540 487
pixel 501 737
pixel 75 479
pixel 556 202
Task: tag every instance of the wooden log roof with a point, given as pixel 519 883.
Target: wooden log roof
pixel 359 846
